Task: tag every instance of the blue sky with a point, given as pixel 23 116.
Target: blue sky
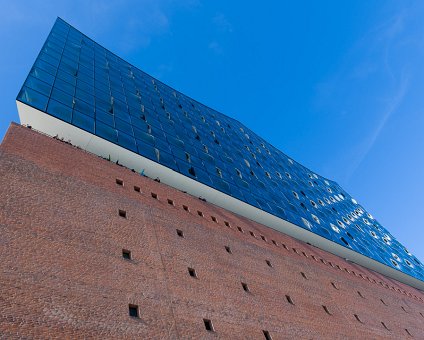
pixel 337 85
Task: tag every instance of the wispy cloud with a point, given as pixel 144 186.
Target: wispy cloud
pixel 368 143
pixel 136 21
pixel 223 28
pixel 222 23
pixel 215 47
pixel 376 66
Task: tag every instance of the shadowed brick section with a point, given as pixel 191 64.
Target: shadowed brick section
pixel 63 273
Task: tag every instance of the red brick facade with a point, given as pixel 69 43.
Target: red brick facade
pixel 63 273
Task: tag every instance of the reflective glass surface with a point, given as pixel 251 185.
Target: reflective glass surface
pixel 80 82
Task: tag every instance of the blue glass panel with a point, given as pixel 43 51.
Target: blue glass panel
pixel 46 67
pixel 123 126
pixel 64 86
pixel 105 118
pixel 38 85
pixel 167 160
pixel 59 110
pixel 42 75
pixel 127 141
pixel 106 132
pixel 83 121
pixel 66 77
pixel 64 98
pixel 83 107
pixel 146 150
pixel 51 59
pixel 80 94
pixel 33 98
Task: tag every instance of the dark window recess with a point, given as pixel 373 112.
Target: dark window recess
pixel 180 233
pixel 263 238
pixel 289 299
pixel 186 208
pixel 227 224
pixel 228 249
pixel 304 254
pixel 252 234
pixel 170 202
pixel 357 318
pixel 126 254
pixel 326 310
pixel 137 189
pixel 213 218
pixel 199 213
pixel 273 241
pixel 208 325
pixel 408 332
pixel 385 326
pixel 155 196
pixel 267 335
pixel 192 272
pixel 344 241
pixel 360 294
pixel 268 262
pixel 122 213
pixel 119 181
pixel 334 285
pixel 240 229
pixel 133 311
pixel 245 287
pixel 404 309
pixel 304 275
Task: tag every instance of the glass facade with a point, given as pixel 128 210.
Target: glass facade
pixel 81 83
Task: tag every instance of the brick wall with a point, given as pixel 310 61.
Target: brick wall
pixel 63 274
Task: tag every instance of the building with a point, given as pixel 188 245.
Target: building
pixel 104 234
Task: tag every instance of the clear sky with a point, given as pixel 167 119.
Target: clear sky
pixel 336 85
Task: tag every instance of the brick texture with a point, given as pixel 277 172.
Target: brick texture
pixel 63 274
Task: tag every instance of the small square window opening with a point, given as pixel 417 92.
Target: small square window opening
pixel 133 311
pixel 267 335
pixel 122 213
pixel 126 254
pixel 208 325
pixel 192 272
pixel 289 299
